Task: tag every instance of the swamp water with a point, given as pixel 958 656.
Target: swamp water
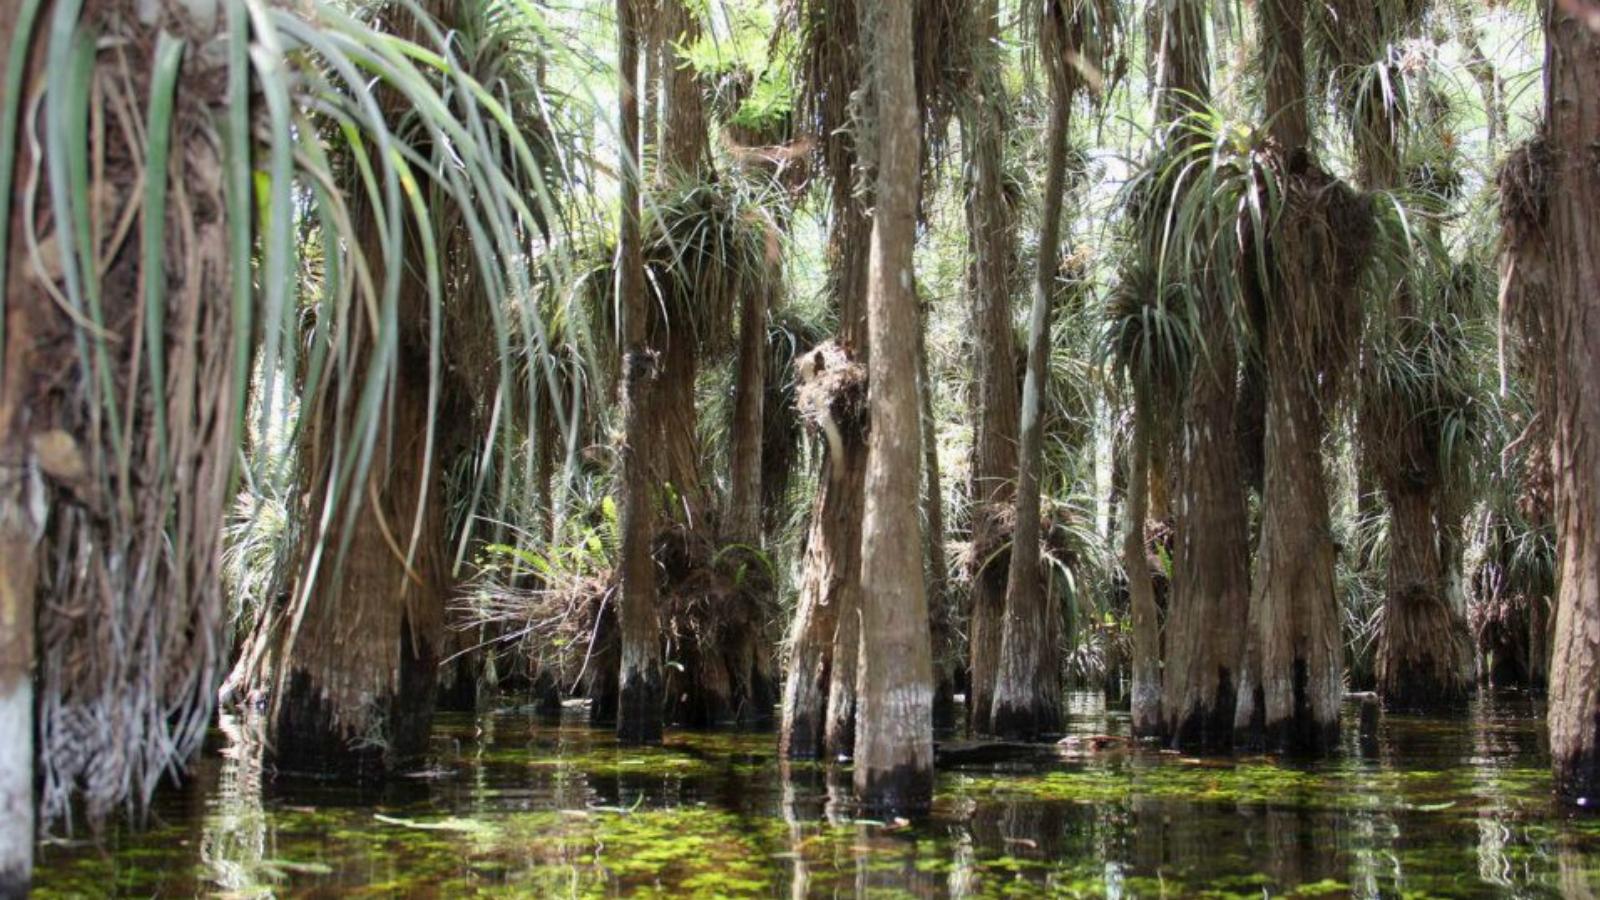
pixel 1440 807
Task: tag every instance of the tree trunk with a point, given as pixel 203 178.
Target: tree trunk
pixel 817 681
pixel 354 667
pixel 1423 656
pixel 1027 693
pixel 939 624
pixel 357 670
pixel 991 239
pixel 682 154
pixel 1572 129
pixel 1141 590
pixel 1423 650
pixel 675 431
pixel 742 523
pixel 639 684
pixel 1211 558
pixel 22 521
pixel 1290 687
pixel 1211 554
pixel 894 732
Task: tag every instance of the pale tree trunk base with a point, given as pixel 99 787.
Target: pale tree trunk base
pixel 22 520
pixel 16 788
pixel 1301 728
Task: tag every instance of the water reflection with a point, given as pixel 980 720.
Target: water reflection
pixel 518 806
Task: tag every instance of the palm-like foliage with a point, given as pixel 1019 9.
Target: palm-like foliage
pixel 172 271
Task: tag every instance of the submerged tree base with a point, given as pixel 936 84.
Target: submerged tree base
pixel 639 708
pixel 1026 721
pixel 309 737
pixel 904 790
pixel 1208 727
pixel 1300 731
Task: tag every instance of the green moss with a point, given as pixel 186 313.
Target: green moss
pixel 526 810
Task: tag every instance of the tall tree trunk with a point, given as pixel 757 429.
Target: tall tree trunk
pixel 841 539
pixel 742 522
pixel 1424 656
pixel 1290 687
pixel 820 687
pixel 1141 590
pixel 639 683
pixel 1211 554
pixel 356 671
pixel 1027 691
pixel 1423 651
pixel 894 732
pixel 991 241
pixel 22 521
pixel 939 624
pixel 1572 130
pixel 682 153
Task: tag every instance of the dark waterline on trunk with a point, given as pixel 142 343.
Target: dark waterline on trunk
pixel 1457 806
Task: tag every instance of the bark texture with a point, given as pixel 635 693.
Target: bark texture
pixel 991 238
pixel 894 734
pixel 1146 706
pixel 22 521
pixel 1027 701
pixel 1424 655
pixel 639 683
pixel 23 514
pixel 1211 554
pixel 355 668
pixel 820 686
pixel 1290 687
pixel 1572 131
pixel 742 520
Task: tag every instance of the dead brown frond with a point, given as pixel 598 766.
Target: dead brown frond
pixel 718 614
pixel 131 620
pixel 1322 242
pixel 831 392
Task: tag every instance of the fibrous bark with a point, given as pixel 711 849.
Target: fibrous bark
pixel 1026 694
pixel 1211 572
pixel 1146 701
pixel 639 682
pixel 1572 132
pixel 820 686
pixel 991 241
pixel 1290 686
pixel 894 733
